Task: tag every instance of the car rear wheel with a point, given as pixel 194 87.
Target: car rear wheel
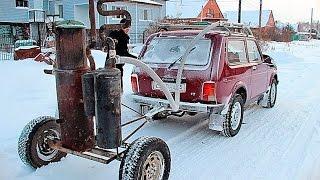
pixel 232 124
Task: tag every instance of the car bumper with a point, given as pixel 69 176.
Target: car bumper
pixel 192 107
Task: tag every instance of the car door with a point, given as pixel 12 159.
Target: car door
pixel 259 70
pixel 237 71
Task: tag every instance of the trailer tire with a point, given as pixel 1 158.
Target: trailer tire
pixel 272 95
pixel 232 124
pixel 32 149
pixel 146 157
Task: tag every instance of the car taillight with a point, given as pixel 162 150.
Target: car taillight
pixel 134 83
pixel 209 91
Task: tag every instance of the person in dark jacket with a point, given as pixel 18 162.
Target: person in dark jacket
pixel 122 38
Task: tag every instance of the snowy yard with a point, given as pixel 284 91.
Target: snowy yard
pixel 278 143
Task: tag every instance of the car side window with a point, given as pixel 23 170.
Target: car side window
pixel 236 52
pixel 253 52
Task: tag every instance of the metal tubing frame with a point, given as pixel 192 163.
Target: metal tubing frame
pixel 174 102
pixel 94 154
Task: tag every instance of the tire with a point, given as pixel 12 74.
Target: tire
pixel 272 95
pixel 232 124
pixel 136 163
pixel 31 152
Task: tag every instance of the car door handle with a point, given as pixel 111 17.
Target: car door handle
pixel 254 68
pixel 228 79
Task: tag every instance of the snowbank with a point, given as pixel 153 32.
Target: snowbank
pixel 279 143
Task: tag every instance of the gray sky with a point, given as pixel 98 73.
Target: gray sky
pixel 284 10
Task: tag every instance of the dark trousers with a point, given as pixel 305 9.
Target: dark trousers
pixel 120 67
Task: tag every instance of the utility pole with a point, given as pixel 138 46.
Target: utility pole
pixel 260 19
pixel 239 13
pixel 311 23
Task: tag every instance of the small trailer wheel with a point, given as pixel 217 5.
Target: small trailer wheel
pixel 32 146
pixel 147 158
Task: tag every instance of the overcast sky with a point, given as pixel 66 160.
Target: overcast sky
pixel 284 10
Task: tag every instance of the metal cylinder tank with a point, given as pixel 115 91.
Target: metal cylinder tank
pixel 77 131
pixel 108 108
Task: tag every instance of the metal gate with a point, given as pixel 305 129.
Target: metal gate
pixel 6 47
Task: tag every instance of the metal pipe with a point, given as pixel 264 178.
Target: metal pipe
pixel 131 109
pixel 114 12
pixel 131 134
pixel 92 17
pixel 91 59
pixel 155 77
pixel 135 120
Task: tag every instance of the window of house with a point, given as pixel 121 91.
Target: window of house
pixel 236 52
pixel 51 8
pixel 253 52
pixel 60 10
pixel 210 13
pixel 145 14
pixel 119 8
pixel 22 3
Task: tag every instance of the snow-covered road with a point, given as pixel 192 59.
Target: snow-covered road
pixel 278 143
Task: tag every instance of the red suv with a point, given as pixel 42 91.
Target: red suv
pixel 224 72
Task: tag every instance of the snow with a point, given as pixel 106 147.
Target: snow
pixel 26 47
pixel 278 143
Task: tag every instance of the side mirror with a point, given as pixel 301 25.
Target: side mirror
pixel 267 59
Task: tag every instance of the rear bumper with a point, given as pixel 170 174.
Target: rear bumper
pixel 192 107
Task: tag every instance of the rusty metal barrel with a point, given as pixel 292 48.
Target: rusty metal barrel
pixel 77 130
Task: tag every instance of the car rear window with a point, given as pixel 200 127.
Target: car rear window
pixel 165 50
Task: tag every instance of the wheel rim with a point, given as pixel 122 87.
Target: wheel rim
pixel 273 94
pixel 235 115
pixel 44 151
pixel 153 167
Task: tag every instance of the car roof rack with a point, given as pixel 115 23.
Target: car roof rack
pixel 224 27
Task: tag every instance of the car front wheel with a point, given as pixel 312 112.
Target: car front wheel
pixel 272 95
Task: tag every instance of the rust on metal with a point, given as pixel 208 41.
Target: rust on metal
pixel 92 17
pixel 77 130
pixel 91 59
pixel 91 155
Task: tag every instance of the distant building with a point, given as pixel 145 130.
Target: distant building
pixel 14 14
pixel 211 12
pixel 143 12
pixel 195 12
pixel 251 18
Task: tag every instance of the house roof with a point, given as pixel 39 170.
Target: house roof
pixel 250 18
pixel 147 2
pixel 210 10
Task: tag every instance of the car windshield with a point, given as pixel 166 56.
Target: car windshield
pixel 166 50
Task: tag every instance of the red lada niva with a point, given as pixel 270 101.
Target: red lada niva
pixel 223 73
